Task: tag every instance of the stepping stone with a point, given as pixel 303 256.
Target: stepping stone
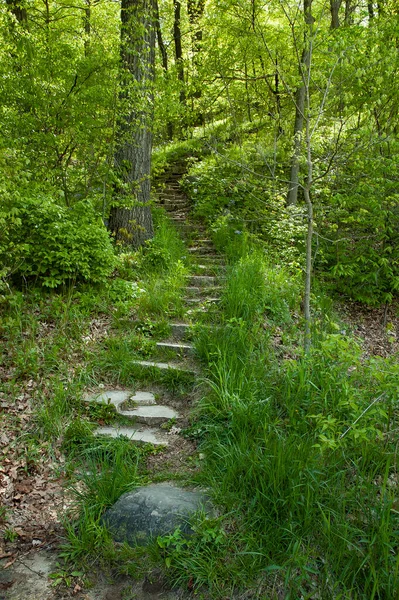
pixel 162 366
pixel 154 510
pixel 200 300
pixel 144 398
pixel 202 280
pixel 143 434
pixel 151 415
pixel 183 348
pixel 180 330
pixel 209 258
pixel 201 249
pixel 117 397
pixel 193 292
pixel 218 268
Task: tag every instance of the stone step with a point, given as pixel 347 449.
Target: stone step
pixel 163 366
pixel 202 250
pixel 184 349
pixel 176 202
pixel 118 397
pixel 193 291
pixel 210 269
pixel 201 300
pixel 151 415
pixel 210 258
pixel 202 280
pixel 180 330
pixel 141 434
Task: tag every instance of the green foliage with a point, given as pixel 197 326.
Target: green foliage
pixel 60 244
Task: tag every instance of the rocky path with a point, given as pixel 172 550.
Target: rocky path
pixel 148 414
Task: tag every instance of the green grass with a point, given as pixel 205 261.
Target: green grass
pixel 318 507
pixel 299 455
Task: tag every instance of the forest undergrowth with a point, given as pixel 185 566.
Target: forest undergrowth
pixel 298 450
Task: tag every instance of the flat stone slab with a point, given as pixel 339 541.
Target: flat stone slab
pixel 114 397
pixel 117 397
pixel 145 435
pixel 183 348
pixel 180 330
pixel 202 300
pixel 201 280
pixel 153 510
pixel 163 366
pixel 151 415
pixel 27 578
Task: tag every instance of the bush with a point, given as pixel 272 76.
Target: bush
pixel 58 243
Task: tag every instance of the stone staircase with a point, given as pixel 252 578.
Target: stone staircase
pixel 144 419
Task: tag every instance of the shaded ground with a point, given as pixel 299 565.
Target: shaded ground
pixel 377 328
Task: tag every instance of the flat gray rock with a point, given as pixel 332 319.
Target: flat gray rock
pixel 118 397
pixel 156 509
pixel 114 397
pixel 151 415
pixel 144 434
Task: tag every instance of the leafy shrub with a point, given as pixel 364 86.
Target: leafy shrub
pixel 59 243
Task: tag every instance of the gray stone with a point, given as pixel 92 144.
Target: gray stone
pixel 180 330
pixel 151 415
pixel 156 509
pixel 202 300
pixel 143 398
pixel 202 280
pixel 117 397
pixel 162 366
pixel 180 348
pixel 28 577
pixel 142 434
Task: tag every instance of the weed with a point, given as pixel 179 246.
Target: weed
pixel 10 535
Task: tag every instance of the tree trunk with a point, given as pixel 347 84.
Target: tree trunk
pixel 300 97
pixel 161 44
pixel 178 49
pixel 195 10
pixel 130 218
pixel 164 58
pixel 335 5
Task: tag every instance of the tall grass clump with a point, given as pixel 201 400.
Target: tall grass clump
pixel 301 449
pixel 159 268
pixel 106 468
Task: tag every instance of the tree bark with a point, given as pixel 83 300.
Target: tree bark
pixel 161 44
pixel 131 219
pixel 335 5
pixel 178 49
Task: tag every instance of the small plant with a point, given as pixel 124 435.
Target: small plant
pixel 64 576
pixel 10 535
pixel 102 412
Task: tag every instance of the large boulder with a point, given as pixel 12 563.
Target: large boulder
pixel 156 509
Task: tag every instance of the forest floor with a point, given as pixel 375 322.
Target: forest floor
pixel 33 476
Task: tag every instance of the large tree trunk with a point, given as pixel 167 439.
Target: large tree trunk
pixel 130 218
pixel 335 5
pixel 300 97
